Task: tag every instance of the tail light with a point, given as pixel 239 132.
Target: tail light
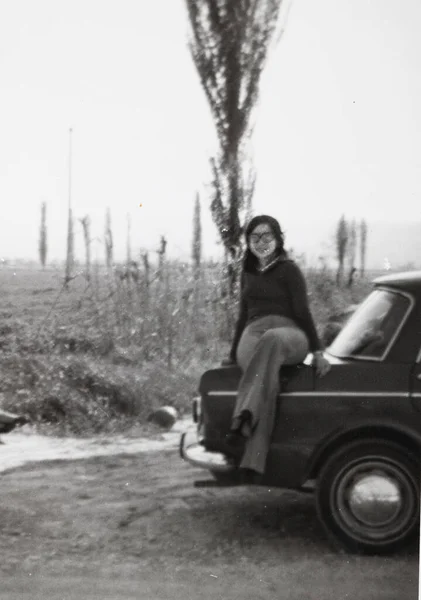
pixel 197 409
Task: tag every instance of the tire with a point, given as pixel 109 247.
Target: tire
pixel 384 523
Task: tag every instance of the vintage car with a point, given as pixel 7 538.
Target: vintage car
pixel 352 437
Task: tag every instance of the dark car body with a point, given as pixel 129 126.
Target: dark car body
pixel 371 398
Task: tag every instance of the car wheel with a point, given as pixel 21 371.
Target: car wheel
pixel 368 497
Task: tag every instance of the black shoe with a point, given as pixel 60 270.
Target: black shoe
pixel 233 445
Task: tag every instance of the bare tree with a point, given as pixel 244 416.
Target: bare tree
pixel 341 244
pixel 161 256
pixel 147 269
pixel 108 240
pixel 86 222
pixel 145 299
pixel 43 235
pixel 363 245
pixel 351 251
pixel 129 243
pixel 229 44
pixel 197 239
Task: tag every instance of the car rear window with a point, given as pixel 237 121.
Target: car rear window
pixel 371 331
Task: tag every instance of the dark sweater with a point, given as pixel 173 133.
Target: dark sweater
pixel 279 290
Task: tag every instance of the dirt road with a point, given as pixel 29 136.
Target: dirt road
pixel 133 526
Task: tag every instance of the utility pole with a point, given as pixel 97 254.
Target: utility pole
pixel 69 252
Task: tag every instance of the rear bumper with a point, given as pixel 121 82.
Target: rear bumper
pixel 193 452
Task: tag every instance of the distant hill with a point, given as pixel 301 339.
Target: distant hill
pixel 397 243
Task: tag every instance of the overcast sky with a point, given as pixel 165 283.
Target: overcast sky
pixel 339 122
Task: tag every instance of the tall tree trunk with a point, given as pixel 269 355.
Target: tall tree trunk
pixel 86 235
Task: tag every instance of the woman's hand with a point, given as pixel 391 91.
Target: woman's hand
pixel 320 363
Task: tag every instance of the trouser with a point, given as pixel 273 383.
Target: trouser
pixel 265 345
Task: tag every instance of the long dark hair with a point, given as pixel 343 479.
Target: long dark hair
pixel 250 262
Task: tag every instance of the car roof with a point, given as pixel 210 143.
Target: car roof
pixel 407 280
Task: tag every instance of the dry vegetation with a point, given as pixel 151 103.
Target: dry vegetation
pixel 100 356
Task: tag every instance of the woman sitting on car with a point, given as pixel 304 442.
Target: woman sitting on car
pixel 274 327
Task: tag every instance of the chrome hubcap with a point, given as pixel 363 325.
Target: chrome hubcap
pixel 375 500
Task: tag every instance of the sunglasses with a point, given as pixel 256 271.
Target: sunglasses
pixel 266 237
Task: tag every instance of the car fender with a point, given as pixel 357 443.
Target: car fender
pixel 384 429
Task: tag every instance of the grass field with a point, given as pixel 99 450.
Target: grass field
pixel 99 356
